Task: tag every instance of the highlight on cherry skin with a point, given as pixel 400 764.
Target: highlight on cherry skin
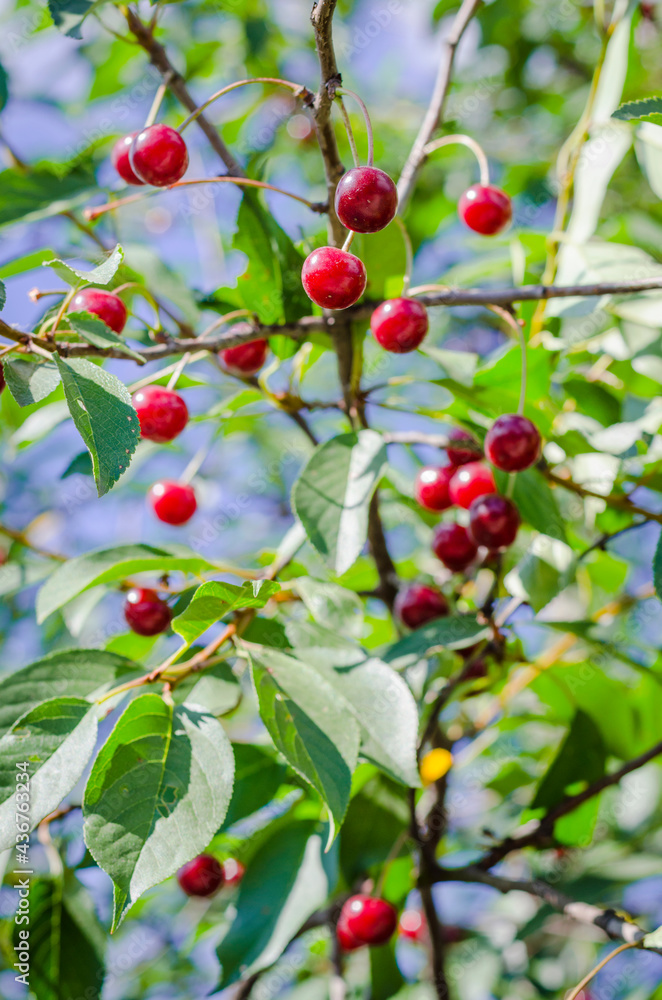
pixel 431 487
pixel 486 209
pixel 366 200
pixel 146 613
pixel 513 443
pixel 158 156
pixel 469 482
pixel 106 305
pixel 245 359
pixel 172 502
pixel 399 325
pixel 233 872
pixel 119 158
pixel 162 413
pixel 419 604
pixel 453 546
pixel 203 876
pixel 494 521
pixel 333 278
pixel 365 920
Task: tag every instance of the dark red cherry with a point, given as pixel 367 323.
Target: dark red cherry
pixel 419 604
pixel 246 359
pixel 2 378
pixel 470 481
pixel 457 453
pixel 106 305
pixel 494 521
pixel 233 871
pixel 120 159
pixel 453 544
pixel 162 413
pixel 485 209
pixel 158 155
pixel 172 502
pixel 366 200
pixel 399 325
pixel 145 612
pixel 365 920
pixel 201 877
pixel 431 488
pixel 332 278
pixel 512 443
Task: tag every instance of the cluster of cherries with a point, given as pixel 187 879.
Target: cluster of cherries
pixel 205 875
pixel 512 444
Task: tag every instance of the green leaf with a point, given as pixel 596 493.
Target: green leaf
pixel 310 723
pixel 258 776
pixel 94 331
pixel 331 605
pixel 657 568
pixel 4 88
pixel 100 275
pixel 217 690
pixel 68 15
pixel 648 110
pixel 101 408
pixel 213 600
pixel 454 632
pixel 107 565
pixel 332 495
pixel 68 673
pixel 543 572
pixel 30 381
pixel 66 941
pixel 581 758
pixel 3 295
pixel 284 884
pixel 42 191
pixel 56 739
pixel 654 939
pixel 158 792
pixel 80 465
pixel 535 502
pixel 320 645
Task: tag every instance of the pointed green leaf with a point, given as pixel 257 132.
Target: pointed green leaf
pixel 648 110
pixel 43 191
pixel 94 331
pixel 100 275
pixel 454 632
pixel 213 600
pixel 30 381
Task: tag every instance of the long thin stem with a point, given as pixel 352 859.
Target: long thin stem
pixel 463 140
pixel 297 88
pixel 350 133
pixel 409 255
pixel 156 103
pixel 368 124
pixel 587 979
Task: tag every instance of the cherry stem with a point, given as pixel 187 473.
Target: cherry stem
pixel 350 238
pixel 422 289
pixel 350 134
pixel 94 213
pixel 463 140
pixel 179 368
pixel 156 103
pixel 409 255
pixel 368 124
pixel 222 320
pixel 296 88
pixel 612 954
pixel 193 467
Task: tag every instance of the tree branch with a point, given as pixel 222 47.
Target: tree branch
pixel 435 112
pixel 330 78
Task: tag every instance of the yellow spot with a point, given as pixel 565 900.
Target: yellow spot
pixel 435 765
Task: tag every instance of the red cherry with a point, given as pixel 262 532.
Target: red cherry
pixel 2 378
pixel 366 200
pixel 413 925
pixel 162 413
pixel 106 305
pixel 454 546
pixel 418 604
pixel 399 325
pixel 493 521
pixel 457 455
pixel 246 359
pixel 431 488
pixel 158 155
pixel 233 871
pixel 119 158
pixel 366 920
pixel 512 443
pixel 485 209
pixel 145 612
pixel 332 278
pixel 172 502
pixel 201 877
pixel 471 481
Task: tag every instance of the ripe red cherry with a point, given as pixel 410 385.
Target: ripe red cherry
pixel 413 925
pixel 162 413
pixel 512 443
pixel 454 546
pixel 470 481
pixel 493 521
pixel 365 920
pixel 418 604
pixel 399 325
pixel 145 612
pixel 485 209
pixel 366 200
pixel 233 871
pixel 201 877
pixel 106 305
pixel 459 455
pixel 431 488
pixel 332 278
pixel 172 502
pixel 120 159
pixel 158 155
pixel 246 359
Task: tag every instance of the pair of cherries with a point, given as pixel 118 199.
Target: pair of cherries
pixel 205 875
pixel 157 155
